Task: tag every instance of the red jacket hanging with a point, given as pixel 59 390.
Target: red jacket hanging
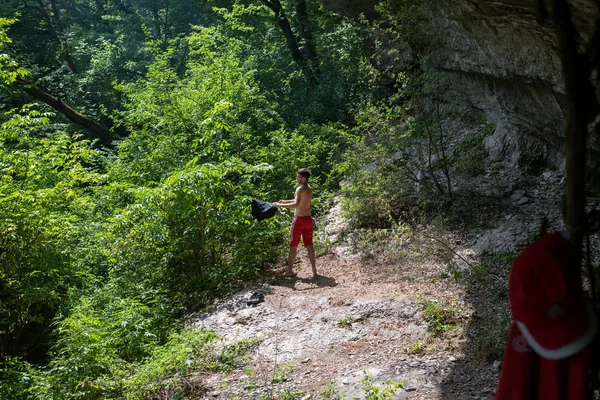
pixel 548 352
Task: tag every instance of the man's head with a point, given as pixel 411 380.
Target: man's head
pixel 302 175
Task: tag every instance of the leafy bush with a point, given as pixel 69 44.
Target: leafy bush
pixel 373 391
pixel 44 206
pixel 191 349
pixel 345 322
pixel 163 368
pixel 103 250
pixel 419 346
pixel 191 230
pixel 439 319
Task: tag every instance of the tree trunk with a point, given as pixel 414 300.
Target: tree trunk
pixel 582 107
pixel 56 16
pixel 97 131
pixel 306 35
pixel 292 43
pixel 284 24
pixel 57 33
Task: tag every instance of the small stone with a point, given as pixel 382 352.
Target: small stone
pixel 305 360
pixel 496 364
pixel 517 195
pixel 523 200
pixel 216 393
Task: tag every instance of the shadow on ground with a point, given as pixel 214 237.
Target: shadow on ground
pixel 297 283
pixel 486 332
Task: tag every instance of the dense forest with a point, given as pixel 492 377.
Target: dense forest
pixel 134 135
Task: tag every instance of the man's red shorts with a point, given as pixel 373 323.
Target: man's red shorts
pixel 301 226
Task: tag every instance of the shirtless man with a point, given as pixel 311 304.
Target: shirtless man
pixel 302 224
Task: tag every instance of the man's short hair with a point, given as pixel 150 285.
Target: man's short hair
pixel 303 172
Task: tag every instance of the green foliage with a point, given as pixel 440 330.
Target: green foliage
pixel 281 372
pixel 232 356
pixel 9 68
pixel 330 392
pixel 291 395
pixel 375 392
pixel 44 205
pixel 345 72
pixel 342 72
pixel 419 346
pixel 405 164
pixel 345 322
pixel 102 251
pixel 207 116
pixel 310 145
pixel 162 369
pixel 126 241
pixel 398 241
pixel 406 155
pixel 191 349
pixel 402 158
pixel 375 171
pixel 170 362
pixel 468 157
pixel 440 319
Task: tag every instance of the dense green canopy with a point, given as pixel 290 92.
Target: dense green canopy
pixel 133 136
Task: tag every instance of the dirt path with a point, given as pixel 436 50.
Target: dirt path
pixel 364 315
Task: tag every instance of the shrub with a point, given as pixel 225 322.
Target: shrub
pixel 439 319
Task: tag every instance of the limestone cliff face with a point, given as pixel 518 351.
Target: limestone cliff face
pixel 501 64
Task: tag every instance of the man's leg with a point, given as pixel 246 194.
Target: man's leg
pixel 312 258
pixel 307 238
pixel 291 259
pixel 294 241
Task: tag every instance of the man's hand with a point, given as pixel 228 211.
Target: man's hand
pixel 276 204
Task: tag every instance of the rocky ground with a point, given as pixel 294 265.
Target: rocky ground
pixel 360 317
pixel 365 319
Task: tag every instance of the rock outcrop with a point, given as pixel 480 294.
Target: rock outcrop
pixel 502 65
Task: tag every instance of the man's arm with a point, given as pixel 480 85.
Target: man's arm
pixel 289 203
